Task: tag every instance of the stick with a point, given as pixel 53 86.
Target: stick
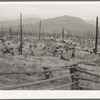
pixel 88 72
pixel 62 86
pixel 11 87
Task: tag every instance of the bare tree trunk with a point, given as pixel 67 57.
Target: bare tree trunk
pixel 2 35
pixel 96 39
pixel 10 31
pixel 40 30
pixel 62 34
pixel 21 33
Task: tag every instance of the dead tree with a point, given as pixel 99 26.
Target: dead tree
pixel 62 34
pixel 2 35
pixel 40 30
pixel 21 33
pixel 96 38
pixel 10 31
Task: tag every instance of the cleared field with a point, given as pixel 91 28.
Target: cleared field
pixel 39 54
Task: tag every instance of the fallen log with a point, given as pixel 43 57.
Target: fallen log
pixel 11 87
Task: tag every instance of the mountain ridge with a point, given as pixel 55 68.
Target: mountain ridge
pixel 54 25
pixel 15 22
pixel 71 24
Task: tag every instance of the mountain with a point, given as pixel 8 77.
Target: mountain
pixel 11 23
pixel 71 24
pixel 93 22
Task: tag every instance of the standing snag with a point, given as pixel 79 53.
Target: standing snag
pixel 40 30
pixel 20 33
pixel 96 38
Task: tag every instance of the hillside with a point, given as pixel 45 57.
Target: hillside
pixel 93 22
pixel 74 25
pixel 54 25
pixel 11 23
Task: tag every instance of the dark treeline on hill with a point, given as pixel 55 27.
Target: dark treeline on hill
pixel 72 25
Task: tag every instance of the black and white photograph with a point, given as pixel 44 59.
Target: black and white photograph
pixel 50 46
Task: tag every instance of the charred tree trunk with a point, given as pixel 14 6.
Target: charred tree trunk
pixel 62 34
pixel 96 38
pixel 21 33
pixel 10 31
pixel 2 34
pixel 39 30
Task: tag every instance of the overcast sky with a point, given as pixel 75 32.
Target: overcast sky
pixel 84 10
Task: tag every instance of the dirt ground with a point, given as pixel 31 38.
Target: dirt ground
pixel 39 54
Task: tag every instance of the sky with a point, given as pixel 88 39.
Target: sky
pixel 84 10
